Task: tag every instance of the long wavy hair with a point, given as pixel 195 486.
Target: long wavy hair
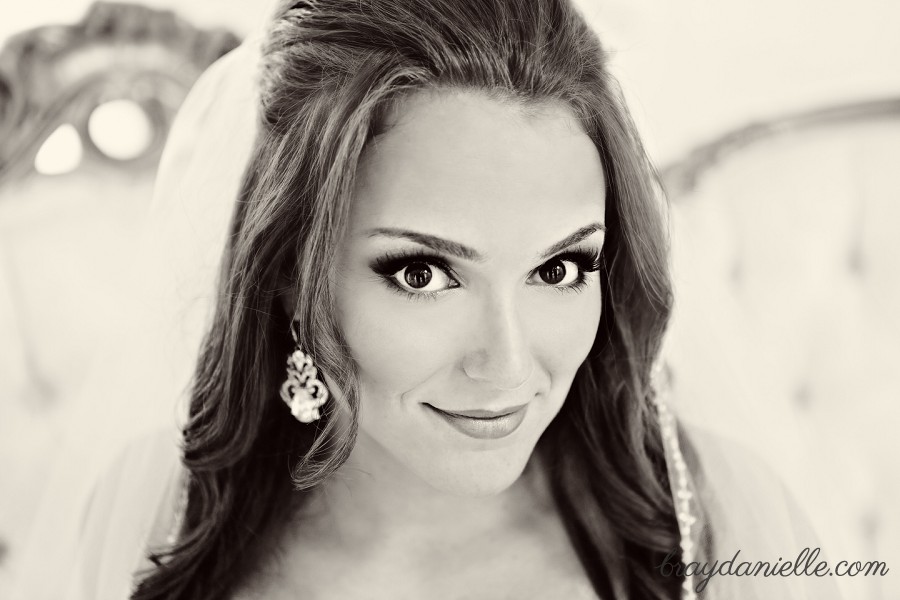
pixel 330 71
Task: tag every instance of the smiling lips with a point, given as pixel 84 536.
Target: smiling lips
pixel 484 424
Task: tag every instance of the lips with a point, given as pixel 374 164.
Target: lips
pixel 483 424
pixel 482 414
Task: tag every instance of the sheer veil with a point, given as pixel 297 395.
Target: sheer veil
pixel 139 381
pixel 737 503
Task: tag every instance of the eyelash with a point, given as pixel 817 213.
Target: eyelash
pixel 386 266
pixel 587 261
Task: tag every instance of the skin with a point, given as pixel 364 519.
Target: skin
pixel 508 182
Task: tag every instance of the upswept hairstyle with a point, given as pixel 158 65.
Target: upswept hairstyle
pixel 331 69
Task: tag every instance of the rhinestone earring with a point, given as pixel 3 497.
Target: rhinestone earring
pixel 302 391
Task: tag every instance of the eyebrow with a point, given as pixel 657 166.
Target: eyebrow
pixel 452 248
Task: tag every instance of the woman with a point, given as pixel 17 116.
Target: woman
pixel 428 372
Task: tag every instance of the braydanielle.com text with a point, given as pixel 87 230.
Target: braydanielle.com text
pixel 806 564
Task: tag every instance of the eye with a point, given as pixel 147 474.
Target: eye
pixel 558 272
pixel 422 277
pixel 415 274
pixel 567 271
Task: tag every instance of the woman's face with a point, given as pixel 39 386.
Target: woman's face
pixel 468 284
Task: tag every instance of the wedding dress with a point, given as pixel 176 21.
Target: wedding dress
pixel 96 527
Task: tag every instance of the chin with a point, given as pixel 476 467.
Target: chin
pixel 487 474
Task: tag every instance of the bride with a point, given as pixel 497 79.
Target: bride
pixel 429 371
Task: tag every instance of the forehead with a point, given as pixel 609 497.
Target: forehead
pixel 476 168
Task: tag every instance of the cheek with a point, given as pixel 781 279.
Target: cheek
pixel 397 344
pixel 566 333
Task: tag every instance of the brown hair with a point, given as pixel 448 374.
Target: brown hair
pixel 331 69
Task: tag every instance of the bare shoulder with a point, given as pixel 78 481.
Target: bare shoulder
pixel 746 501
pixel 129 511
pixel 751 516
pixel 710 454
pixel 145 464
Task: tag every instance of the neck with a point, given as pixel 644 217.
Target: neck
pixel 374 501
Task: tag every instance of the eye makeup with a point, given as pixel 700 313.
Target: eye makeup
pixel 587 260
pixel 387 266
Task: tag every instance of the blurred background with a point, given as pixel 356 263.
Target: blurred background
pixel 776 128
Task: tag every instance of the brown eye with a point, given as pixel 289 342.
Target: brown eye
pixel 552 272
pixel 418 275
pixel 558 272
pixel 422 277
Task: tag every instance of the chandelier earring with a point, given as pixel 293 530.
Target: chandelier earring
pixel 302 391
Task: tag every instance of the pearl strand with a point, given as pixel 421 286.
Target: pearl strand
pixel 683 494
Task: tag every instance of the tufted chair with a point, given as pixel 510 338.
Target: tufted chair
pixel 84 112
pixel 786 332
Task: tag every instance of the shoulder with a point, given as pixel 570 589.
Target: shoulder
pixel 131 508
pixel 726 471
pixel 145 465
pixel 743 498
pixel 710 453
pixel 749 516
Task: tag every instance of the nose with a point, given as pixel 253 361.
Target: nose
pixel 501 355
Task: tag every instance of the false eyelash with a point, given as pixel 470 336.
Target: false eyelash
pixel 386 266
pixel 588 261
pixel 392 262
